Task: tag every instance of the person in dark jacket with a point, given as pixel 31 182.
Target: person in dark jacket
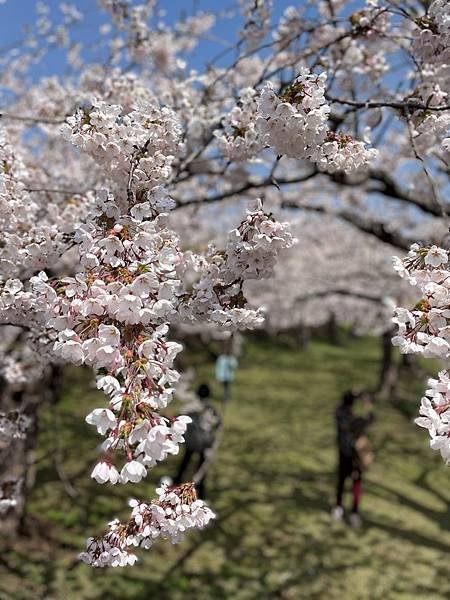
pixel 199 436
pixel 352 456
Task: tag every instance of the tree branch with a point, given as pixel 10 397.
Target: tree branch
pixel 406 105
pixel 375 228
pixel 33 119
pixel 250 185
pixel 340 292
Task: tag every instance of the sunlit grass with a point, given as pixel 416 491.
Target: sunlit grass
pixel 272 486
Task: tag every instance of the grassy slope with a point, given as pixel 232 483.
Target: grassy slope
pixel 271 487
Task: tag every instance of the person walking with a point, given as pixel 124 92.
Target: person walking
pixel 226 366
pixel 199 436
pixel 354 451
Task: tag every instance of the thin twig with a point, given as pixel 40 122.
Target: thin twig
pixel 56 191
pixel 32 119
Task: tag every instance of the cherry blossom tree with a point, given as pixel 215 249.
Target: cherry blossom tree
pixel 139 195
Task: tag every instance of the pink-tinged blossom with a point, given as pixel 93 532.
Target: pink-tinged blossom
pixel 175 511
pixel 435 414
pixel 436 257
pixel 104 472
pixel 294 124
pixel 102 418
pixel 132 471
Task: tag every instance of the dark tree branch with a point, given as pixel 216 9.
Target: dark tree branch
pixel 250 185
pixel 372 227
pixel 30 119
pixel 406 105
pixel 340 292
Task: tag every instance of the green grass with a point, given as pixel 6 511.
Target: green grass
pixel 271 486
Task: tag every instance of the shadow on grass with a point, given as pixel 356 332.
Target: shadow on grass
pixel 440 517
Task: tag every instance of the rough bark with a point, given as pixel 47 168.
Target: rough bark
pixel 15 460
pixel 332 331
pixel 17 455
pixel 303 336
pixel 389 369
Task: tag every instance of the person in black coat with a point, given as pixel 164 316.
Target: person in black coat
pixel 350 430
pixel 199 436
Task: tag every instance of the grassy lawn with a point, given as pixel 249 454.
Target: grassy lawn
pixel 271 486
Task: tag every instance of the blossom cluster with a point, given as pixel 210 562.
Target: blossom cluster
pixel 295 123
pixel 112 316
pixel 240 140
pixel 435 414
pixel 146 438
pixel 425 330
pixel 250 253
pixel 136 147
pixel 9 494
pixel 252 248
pixel 176 510
pixel 292 124
pixel 343 153
pixel 29 243
pixel 432 35
pixel 163 46
pixel 257 15
pixel 13 425
pixel 290 24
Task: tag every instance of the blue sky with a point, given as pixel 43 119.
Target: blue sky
pixel 16 16
pixel 19 16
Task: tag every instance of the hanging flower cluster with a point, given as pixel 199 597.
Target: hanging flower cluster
pixel 176 510
pixel 435 414
pixel 343 153
pixel 112 316
pixel 425 330
pixel 132 282
pixel 250 253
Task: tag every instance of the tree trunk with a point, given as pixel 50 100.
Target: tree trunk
pixel 303 336
pixel 14 463
pixel 17 455
pixel 332 331
pixel 388 377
